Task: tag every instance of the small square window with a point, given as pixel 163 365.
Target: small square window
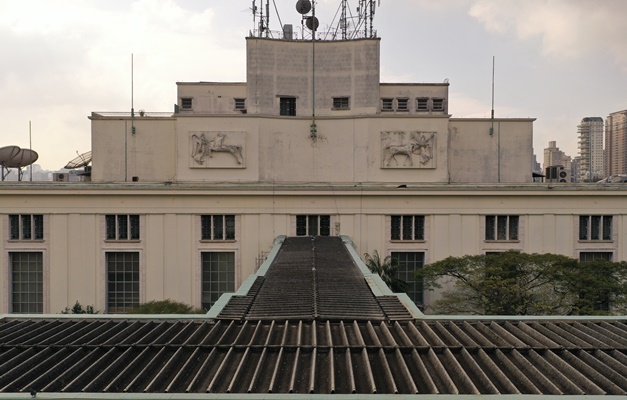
pixel 217 227
pixel 341 103
pixel 122 227
pixel 402 104
pixel 387 104
pixel 186 103
pixel 313 225
pixel 595 227
pixel 422 104
pixel 501 227
pixel 240 104
pixel 26 227
pixel 287 106
pixel 438 104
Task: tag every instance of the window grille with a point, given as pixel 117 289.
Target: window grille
pixel 186 103
pixel 595 227
pixel 287 106
pixel 122 227
pixel 422 104
pixel 407 227
pixel 408 264
pixel 313 225
pixel 122 281
pixel 402 104
pixel 218 276
pixel 240 104
pixel 501 227
pixel 27 282
pixel 217 227
pixel 387 104
pixel 341 103
pixel 438 104
pixel 26 227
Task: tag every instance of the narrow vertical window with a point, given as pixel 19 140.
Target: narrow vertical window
pixel 408 264
pixel 27 282
pixel 14 230
pixel 122 281
pixel 218 276
pixel 26 227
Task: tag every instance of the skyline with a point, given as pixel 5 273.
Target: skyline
pixel 555 60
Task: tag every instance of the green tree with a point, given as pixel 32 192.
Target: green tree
pixel 596 287
pixel 387 269
pixel 165 307
pixel 508 283
pixel 78 309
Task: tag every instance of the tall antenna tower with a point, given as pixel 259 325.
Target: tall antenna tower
pixel 264 18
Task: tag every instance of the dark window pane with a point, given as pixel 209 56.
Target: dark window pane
pixel 513 227
pixel 287 106
pixel 419 227
pixel 607 227
pixel 490 222
pixel 395 227
pixel 122 281
pixel 38 221
pixel 230 227
pixel 408 221
pixel 583 227
pixel 205 227
pixel 123 227
pixel 26 227
pixel 325 225
pixel 110 222
pixel 14 230
pixel 595 227
pixel 301 225
pixel 134 220
pixel 218 227
pixel 312 222
pixel 501 227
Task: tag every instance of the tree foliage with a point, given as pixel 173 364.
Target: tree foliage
pixel 165 307
pixel 514 283
pixel 78 309
pixel 387 269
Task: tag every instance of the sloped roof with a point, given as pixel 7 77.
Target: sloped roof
pixel 316 342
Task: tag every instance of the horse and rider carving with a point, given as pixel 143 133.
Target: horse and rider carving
pixel 203 147
pixel 420 144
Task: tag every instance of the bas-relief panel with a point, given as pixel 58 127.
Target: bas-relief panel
pixel 216 149
pixel 401 149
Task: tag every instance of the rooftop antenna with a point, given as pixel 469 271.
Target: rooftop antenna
pixel 132 95
pixel 30 147
pixel 343 21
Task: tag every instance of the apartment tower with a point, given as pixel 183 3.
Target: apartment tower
pixel 590 133
pixel 616 143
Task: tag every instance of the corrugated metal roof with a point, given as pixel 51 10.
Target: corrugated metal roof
pixel 428 357
pixel 309 323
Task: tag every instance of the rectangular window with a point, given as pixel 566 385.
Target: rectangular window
pixel 287 106
pixel 122 281
pixel 341 103
pixel 595 227
pixel 218 276
pixel 387 104
pixel 407 227
pixel 313 225
pixel 26 227
pixel 438 104
pixel 186 103
pixel 501 227
pixel 240 104
pixel 402 104
pixel 408 264
pixel 587 256
pixel 122 227
pixel 422 104
pixel 27 282
pixel 217 227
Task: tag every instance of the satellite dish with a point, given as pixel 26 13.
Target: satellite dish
pixel 7 153
pixel 23 158
pixel 80 161
pixel 303 6
pixel 311 21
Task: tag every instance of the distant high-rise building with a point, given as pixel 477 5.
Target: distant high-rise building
pixel 553 156
pixel 616 143
pixel 590 133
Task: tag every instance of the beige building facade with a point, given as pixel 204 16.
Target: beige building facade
pixel 186 205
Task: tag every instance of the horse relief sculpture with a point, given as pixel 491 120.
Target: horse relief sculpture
pixel 203 148
pixel 417 151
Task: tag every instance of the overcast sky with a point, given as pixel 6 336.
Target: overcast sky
pixel 556 60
